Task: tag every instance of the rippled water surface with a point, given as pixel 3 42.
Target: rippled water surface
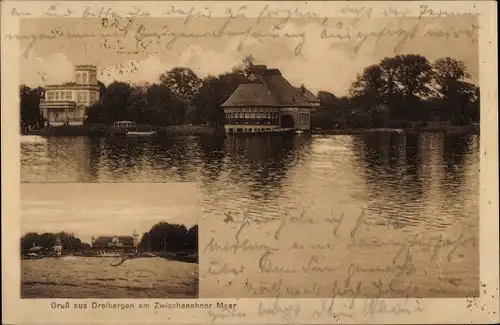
pixel 425 184
pixel 429 175
pixel 93 277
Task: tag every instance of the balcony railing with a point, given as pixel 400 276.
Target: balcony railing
pixel 258 121
pixel 75 85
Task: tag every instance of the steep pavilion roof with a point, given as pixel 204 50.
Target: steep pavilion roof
pixel 270 89
pixel 308 95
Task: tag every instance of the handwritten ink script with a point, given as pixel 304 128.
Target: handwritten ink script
pixel 342 255
pixel 129 32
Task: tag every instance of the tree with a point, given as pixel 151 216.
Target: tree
pixel 116 102
pixel 400 82
pixel 30 105
pixel 48 240
pixel 95 114
pixel 460 96
pixel 214 92
pixel 450 76
pixel 163 106
pixel 182 82
pixel 246 65
pixel 166 237
pixel 102 88
pixel 411 75
pixel 407 82
pixel 192 238
pixel 370 85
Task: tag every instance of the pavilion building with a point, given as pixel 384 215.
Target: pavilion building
pixel 269 103
pixel 66 104
pixel 114 243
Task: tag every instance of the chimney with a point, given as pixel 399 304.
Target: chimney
pixel 259 69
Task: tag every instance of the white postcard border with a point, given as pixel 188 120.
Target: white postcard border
pixel 39 311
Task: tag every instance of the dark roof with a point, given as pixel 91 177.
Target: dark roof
pixel 103 241
pixel 85 66
pixel 308 94
pixel 255 94
pixel 272 90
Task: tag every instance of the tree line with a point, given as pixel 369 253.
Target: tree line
pixel 404 90
pixel 162 237
pixel 47 240
pixel 394 92
pixel 169 237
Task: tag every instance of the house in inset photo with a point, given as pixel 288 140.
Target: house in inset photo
pixel 162 263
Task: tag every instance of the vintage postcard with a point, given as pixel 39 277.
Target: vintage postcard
pixel 258 162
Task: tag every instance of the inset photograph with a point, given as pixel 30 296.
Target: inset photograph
pixel 85 247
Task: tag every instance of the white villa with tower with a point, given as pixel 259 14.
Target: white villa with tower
pixel 66 104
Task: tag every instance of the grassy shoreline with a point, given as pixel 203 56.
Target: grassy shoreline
pixel 105 131
pixel 187 130
pixel 465 129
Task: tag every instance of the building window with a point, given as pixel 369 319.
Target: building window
pixel 247 115
pixel 84 78
pixel 56 95
pixel 50 95
pixel 258 115
pixel 68 95
pixel 78 78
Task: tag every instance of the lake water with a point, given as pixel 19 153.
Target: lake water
pixel 425 184
pixel 93 277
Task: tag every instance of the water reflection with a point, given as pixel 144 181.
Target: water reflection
pixel 419 184
pixel 428 179
pixel 415 178
pixel 264 162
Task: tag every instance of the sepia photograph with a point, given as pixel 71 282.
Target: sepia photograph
pixel 276 134
pixel 316 164
pixel 84 241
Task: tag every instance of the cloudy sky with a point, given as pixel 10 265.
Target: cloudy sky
pixel 93 209
pixel 305 56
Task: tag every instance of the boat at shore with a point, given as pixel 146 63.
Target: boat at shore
pixel 140 133
pixel 32 256
pixel 109 254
